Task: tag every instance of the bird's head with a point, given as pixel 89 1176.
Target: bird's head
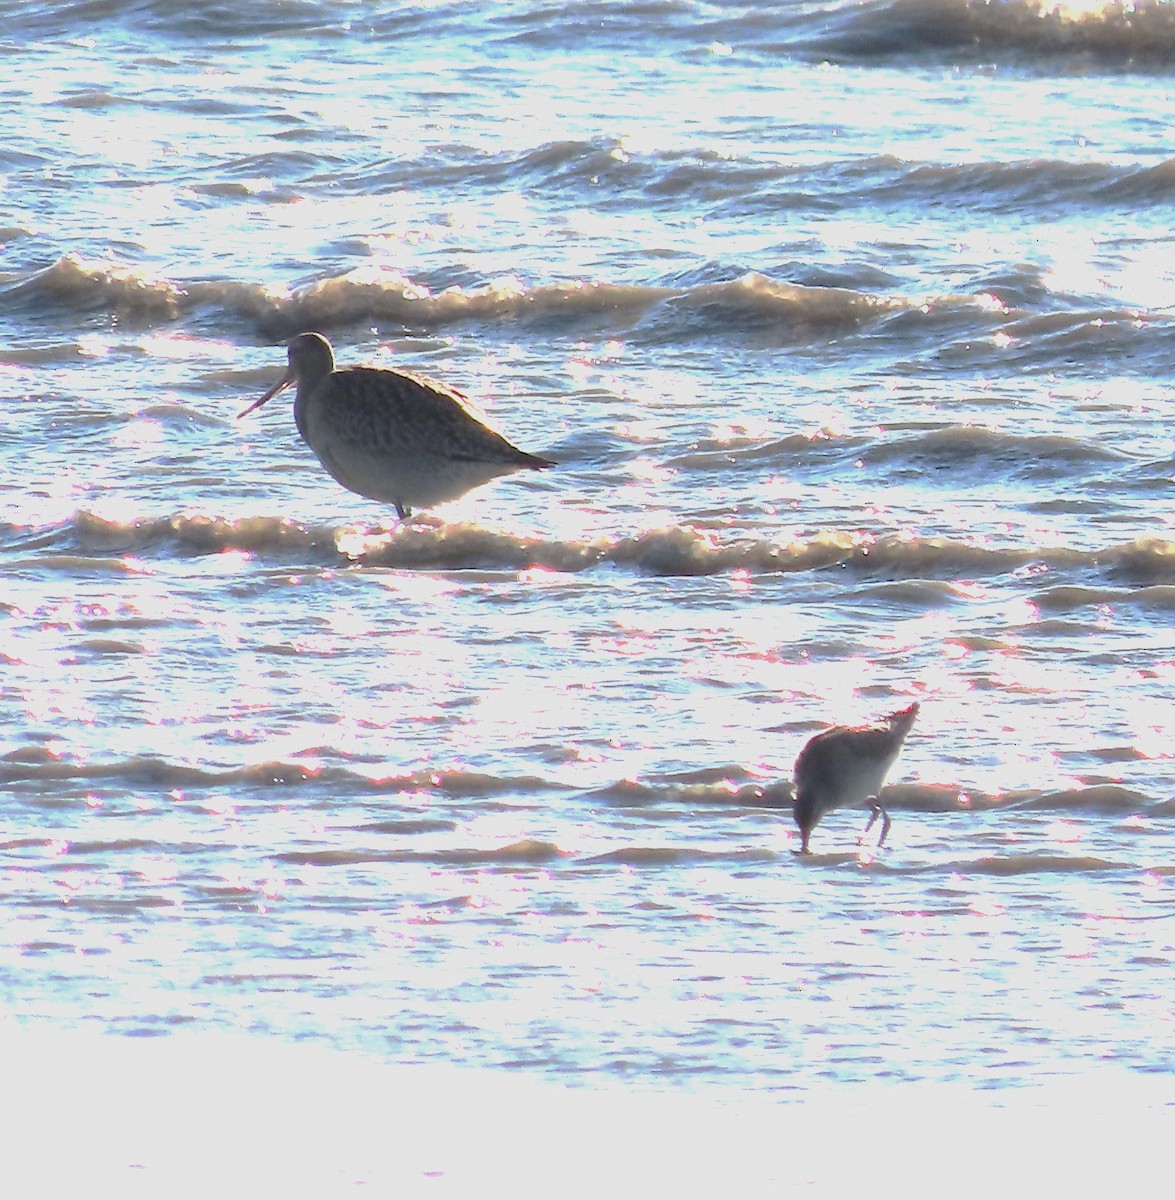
pixel 309 360
pixel 806 810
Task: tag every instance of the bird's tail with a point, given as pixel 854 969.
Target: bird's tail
pixel 902 722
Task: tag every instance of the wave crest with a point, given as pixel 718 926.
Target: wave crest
pixel 1140 565
pixel 1108 33
pixel 376 293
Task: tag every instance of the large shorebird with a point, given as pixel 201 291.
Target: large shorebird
pixel 846 765
pixel 392 436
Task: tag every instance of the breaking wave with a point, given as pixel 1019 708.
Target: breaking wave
pixel 1140 570
pixel 378 293
pixel 1107 33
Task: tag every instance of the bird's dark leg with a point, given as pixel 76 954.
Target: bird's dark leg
pixel 402 512
pixel 877 811
pixel 868 825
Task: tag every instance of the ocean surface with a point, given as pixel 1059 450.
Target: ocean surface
pixel 851 329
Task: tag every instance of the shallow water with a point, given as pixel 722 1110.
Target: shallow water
pixel 849 328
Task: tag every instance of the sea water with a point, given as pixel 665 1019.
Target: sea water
pixel 849 326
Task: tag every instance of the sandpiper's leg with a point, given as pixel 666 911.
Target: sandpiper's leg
pixel 878 811
pixel 402 512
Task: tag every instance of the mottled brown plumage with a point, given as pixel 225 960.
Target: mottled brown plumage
pixel 392 436
pixel 846 765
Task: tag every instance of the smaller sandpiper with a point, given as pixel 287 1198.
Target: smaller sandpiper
pixel 392 436
pixel 846 765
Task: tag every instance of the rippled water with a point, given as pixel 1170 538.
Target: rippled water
pixel 849 327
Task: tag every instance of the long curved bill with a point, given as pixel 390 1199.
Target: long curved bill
pixel 284 382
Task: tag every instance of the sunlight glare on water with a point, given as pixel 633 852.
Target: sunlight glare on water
pixel 845 327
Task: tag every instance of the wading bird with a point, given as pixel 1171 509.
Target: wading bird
pixel 392 436
pixel 846 765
